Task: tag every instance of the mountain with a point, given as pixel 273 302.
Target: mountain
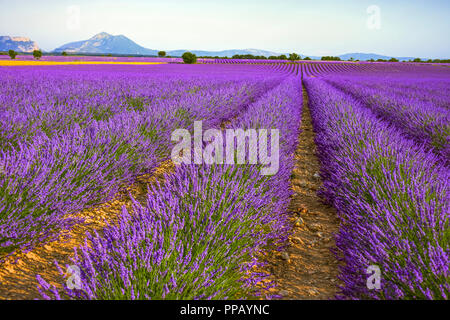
pixel 224 53
pixel 368 56
pixel 19 44
pixel 106 43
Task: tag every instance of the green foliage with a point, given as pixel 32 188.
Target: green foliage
pixel 37 54
pixel 439 60
pixel 247 56
pixel 307 58
pixel 417 60
pixel 161 54
pixel 12 54
pixel 294 57
pixel 189 57
pixel 64 53
pixel 393 60
pixel 135 103
pixel 330 58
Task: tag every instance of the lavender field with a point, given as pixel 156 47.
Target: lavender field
pixel 74 137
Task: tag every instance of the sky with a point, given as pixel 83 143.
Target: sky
pixel 416 28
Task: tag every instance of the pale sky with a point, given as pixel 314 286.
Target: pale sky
pixel 417 28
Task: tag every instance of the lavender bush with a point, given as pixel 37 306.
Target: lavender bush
pixel 200 233
pixel 391 195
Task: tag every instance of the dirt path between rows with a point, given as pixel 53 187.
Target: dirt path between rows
pixel 18 273
pixel 307 269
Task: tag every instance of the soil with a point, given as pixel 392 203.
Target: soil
pixel 307 269
pixel 18 273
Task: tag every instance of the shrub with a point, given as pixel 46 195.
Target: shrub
pixel 330 58
pixel 12 54
pixel 161 54
pixel 37 54
pixel 294 56
pixel 189 57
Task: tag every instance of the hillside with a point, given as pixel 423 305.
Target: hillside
pixel 19 44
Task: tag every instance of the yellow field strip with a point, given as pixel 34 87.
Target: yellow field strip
pixel 53 63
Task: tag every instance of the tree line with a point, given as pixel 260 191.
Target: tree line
pixel 189 57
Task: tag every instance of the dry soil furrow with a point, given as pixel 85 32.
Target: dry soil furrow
pixel 307 269
pixel 18 273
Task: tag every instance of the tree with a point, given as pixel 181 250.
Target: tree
pixel 417 60
pixel 294 56
pixel 393 60
pixel 189 57
pixel 282 57
pixel 330 58
pixel 37 54
pixel 307 58
pixel 12 54
pixel 64 53
pixel 161 54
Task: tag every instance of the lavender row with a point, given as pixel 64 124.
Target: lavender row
pixel 47 175
pixel 417 109
pixel 200 233
pixel 392 197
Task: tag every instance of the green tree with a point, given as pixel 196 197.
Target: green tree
pixel 282 57
pixel 393 60
pixel 189 57
pixel 417 60
pixel 12 54
pixel 330 58
pixel 161 54
pixel 64 53
pixel 294 56
pixel 307 58
pixel 37 54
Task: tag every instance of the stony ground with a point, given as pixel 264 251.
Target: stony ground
pixel 307 269
pixel 18 275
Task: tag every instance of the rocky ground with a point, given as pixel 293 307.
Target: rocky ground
pixel 307 269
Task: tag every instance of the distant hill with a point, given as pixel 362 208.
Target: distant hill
pixel 19 44
pixel 106 43
pixel 368 56
pixel 225 53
